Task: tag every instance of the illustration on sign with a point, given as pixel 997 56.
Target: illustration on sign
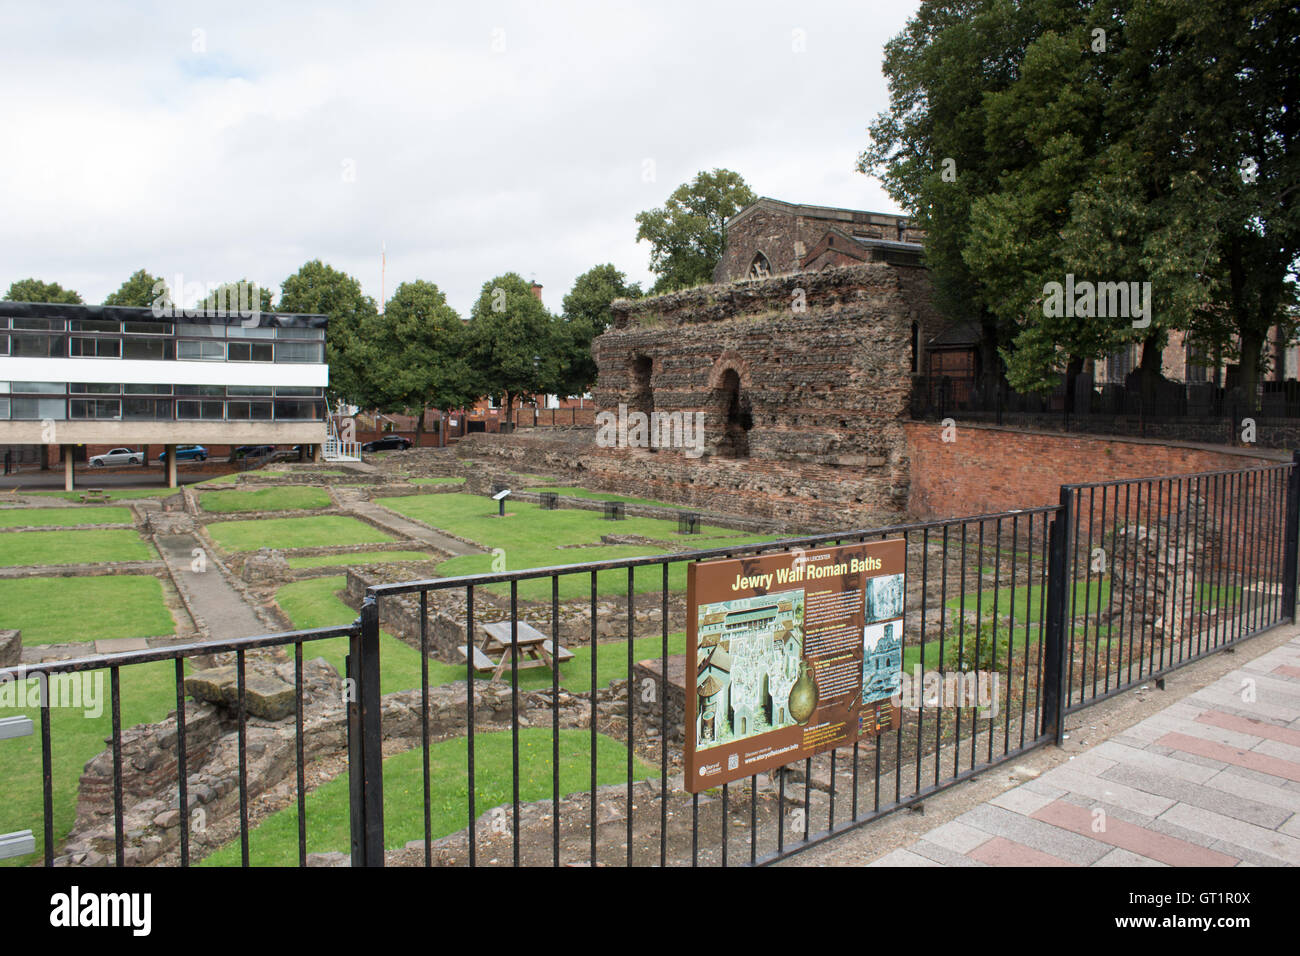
pixel 793 654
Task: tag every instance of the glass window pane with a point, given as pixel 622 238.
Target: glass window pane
pixel 147 328
pixel 148 389
pixel 296 409
pixel 4 408
pixel 217 390
pixel 250 332
pixel 144 348
pixel 201 331
pixel 96 325
pixel 299 352
pixel 40 325
pixel 201 351
pixel 94 388
pixel 36 409
pixel 248 389
pixel 39 388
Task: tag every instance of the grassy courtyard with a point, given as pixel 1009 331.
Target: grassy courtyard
pixel 288 498
pixel 318 531
pixel 531 537
pixel 92 546
pixel 60 610
pixel 62 517
pixel 275 841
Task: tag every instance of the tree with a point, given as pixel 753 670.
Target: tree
pixel 514 347
pixel 34 290
pixel 688 234
pixel 319 289
pixel 414 354
pixel 587 314
pixel 138 290
pixel 227 297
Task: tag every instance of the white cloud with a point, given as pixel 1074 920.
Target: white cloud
pixel 126 148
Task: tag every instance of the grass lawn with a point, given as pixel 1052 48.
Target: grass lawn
pixel 530 537
pixel 31 548
pixel 436 481
pixel 148 695
pixel 62 517
pixel 58 610
pixel 319 531
pixel 357 557
pixel 266 499
pixel 606 496
pixel 275 841
pixel 115 494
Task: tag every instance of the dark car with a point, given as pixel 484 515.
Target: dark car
pixel 252 451
pixel 388 441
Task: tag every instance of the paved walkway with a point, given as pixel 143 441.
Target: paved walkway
pixel 1212 780
pixel 402 527
pixel 215 604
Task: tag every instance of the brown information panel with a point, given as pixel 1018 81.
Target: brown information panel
pixel 792 655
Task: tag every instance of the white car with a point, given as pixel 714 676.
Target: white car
pixel 118 456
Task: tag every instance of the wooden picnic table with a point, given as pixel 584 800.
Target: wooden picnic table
pixel 535 649
pixel 95 494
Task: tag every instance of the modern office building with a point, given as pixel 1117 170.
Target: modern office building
pixel 83 374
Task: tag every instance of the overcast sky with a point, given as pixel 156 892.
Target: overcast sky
pixel 232 140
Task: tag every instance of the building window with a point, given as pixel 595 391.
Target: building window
pixel 95 325
pixel 110 408
pixel 4 345
pixel 248 411
pixel 309 352
pixel 296 409
pixel 86 347
pixel 1119 364
pixel 759 267
pixel 209 391
pixel 153 348
pixel 40 325
pixel 94 388
pixel 4 408
pixel 251 351
pixel 201 351
pixel 200 411
pixel 148 389
pixel 37 409
pixel 37 346
pixel 147 328
pixel 147 409
pixel 249 390
pixel 737 417
pixel 249 332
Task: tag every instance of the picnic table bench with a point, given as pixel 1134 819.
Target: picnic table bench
pixel 535 649
pixel 95 495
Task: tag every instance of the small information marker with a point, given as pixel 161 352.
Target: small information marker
pixel 500 498
pixel 614 511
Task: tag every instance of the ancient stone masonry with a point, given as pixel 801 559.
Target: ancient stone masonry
pixel 1155 570
pixel 800 384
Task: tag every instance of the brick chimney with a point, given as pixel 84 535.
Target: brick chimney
pixel 537 291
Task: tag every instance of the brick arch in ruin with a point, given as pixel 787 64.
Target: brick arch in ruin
pixel 730 415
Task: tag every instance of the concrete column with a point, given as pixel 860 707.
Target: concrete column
pixel 67 467
pixel 171 465
pixel 316 453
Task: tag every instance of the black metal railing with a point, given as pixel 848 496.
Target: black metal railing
pixel 1018 618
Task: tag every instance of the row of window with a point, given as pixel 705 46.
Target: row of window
pixel 29 345
pixel 181 329
pixel 22 408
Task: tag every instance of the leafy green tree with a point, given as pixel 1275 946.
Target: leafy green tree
pixel 138 290
pixel 514 346
pixel 320 289
pixel 227 294
pixel 34 290
pixel 688 233
pixel 586 315
pixel 415 354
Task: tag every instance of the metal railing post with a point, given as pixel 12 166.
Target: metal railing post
pixel 365 738
pixel 1055 649
pixel 1291 559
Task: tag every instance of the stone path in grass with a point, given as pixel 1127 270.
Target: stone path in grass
pixel 402 527
pixel 219 610
pixel 1212 780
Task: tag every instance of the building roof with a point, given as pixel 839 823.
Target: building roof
pixel 123 313
pixel 819 212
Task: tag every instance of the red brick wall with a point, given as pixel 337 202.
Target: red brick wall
pixel 990 469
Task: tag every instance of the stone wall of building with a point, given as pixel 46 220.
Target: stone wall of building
pixel 800 382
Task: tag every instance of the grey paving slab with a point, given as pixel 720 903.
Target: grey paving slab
pixel 941 854
pixel 1278 845
pixel 1035 834
pixel 1255 790
pixel 958 837
pixel 1121 857
pixel 1098 788
pixel 1125 755
pixel 1198 795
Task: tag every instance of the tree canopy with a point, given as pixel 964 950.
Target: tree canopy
pixel 515 346
pixel 1041 139
pixel 321 289
pixel 138 290
pixel 688 233
pixel 586 315
pixel 34 290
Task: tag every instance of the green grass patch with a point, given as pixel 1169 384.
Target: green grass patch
pixel 62 517
pixel 605 496
pixel 59 610
pixel 318 531
pixel 357 557
pixel 92 546
pixel 275 841
pixel 288 498
pixel 148 695
pixel 114 494
pixel 437 481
